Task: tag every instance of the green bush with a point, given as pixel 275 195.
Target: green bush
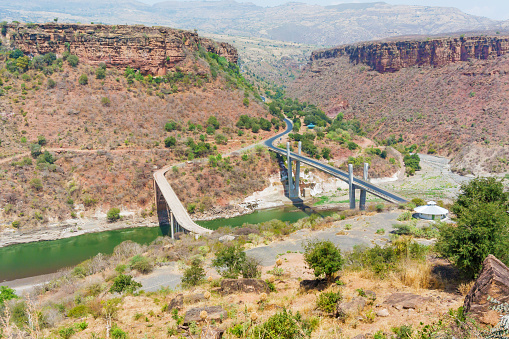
pixel 100 73
pixel 284 325
pixel 141 264
pixel 418 202
pixel 124 283
pixel 66 332
pixel 323 257
pixel 105 101
pixel 231 261
pixel 83 79
pixel 170 142
pixel 19 315
pixel 35 150
pixel 327 301
pixel 36 184
pixel 170 126
pixel 194 274
pixel 113 214
pixel 403 332
pixel 78 311
pixel 82 326
pixel 117 333
pixel 407 215
pixel 480 191
pixel 73 60
pixel 6 294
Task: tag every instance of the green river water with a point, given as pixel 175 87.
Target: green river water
pixel 27 260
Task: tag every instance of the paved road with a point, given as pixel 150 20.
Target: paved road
pixel 377 191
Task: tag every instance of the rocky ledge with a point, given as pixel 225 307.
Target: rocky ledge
pixel 393 56
pixel 152 50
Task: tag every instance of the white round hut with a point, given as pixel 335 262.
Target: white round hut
pixel 431 211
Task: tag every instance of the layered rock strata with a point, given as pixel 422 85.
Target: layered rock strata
pixel 152 50
pixel 393 56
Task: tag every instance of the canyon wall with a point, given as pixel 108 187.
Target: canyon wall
pixel 392 56
pixel 152 50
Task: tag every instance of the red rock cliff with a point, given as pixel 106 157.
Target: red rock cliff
pixel 152 50
pixel 392 56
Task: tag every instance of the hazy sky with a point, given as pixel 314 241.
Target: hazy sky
pixel 494 9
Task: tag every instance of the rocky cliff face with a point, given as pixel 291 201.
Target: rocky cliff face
pixel 392 56
pixel 152 50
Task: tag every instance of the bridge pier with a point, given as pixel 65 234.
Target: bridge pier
pixel 362 203
pixel 351 187
pixel 297 173
pixel 289 168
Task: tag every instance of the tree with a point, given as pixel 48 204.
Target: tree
pixel 255 128
pixel 36 184
pixel 170 126
pixel 73 60
pixel 326 153
pixel 323 257
pixel 124 283
pixel 221 139
pixel 246 102
pixel 41 140
pixel 212 121
pixel 170 142
pixel 231 261
pixel 83 80
pixel 479 191
pixel 194 274
pixel 113 214
pixel 481 230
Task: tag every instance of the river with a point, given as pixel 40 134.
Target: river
pixel 38 258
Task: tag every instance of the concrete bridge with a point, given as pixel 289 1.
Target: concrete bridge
pixel 353 183
pixel 170 208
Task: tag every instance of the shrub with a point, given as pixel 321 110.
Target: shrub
pixel 35 150
pixel 170 126
pixel 73 60
pixel 105 101
pixel 403 332
pixel 479 191
pixel 255 127
pixel 170 142
pixel 100 73
pixel 117 333
pixel 407 215
pixel 65 332
pixel 36 184
pixel 113 214
pixel 141 264
pixel 418 202
pixel 212 121
pixel 221 139
pixel 82 326
pixel 83 79
pixel 327 301
pixel 284 325
pixel 194 275
pixel 380 207
pixel 78 311
pixel 245 102
pixel 231 262
pixel 51 83
pixel 46 158
pixel 6 294
pixel 323 257
pixel 15 224
pixel 124 283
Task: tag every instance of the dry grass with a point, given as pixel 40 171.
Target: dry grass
pixel 464 288
pixel 415 274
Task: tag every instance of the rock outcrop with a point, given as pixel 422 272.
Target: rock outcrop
pixel 152 50
pixel 393 56
pixel 494 282
pixel 229 286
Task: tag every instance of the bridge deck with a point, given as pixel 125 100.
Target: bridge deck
pixel 176 207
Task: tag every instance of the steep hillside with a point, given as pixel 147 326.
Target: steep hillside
pixel 105 129
pixel 440 94
pixel 295 22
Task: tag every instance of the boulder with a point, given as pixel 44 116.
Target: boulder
pixel 370 295
pixel 176 302
pixel 316 284
pixel 494 282
pixel 229 286
pixel 216 313
pixel 382 313
pixel 345 309
pixel 211 333
pixel 194 298
pixel 405 301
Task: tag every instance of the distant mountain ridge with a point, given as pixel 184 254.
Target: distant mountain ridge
pixel 295 22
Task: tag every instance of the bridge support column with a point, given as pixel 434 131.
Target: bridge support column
pixel 297 173
pixel 351 187
pixel 172 230
pixel 362 203
pixel 289 167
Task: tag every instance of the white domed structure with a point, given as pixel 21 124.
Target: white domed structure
pixel 431 211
